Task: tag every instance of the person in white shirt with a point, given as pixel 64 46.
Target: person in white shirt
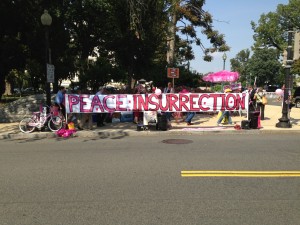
pixel 169 88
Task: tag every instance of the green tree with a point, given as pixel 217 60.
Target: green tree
pixel 271 30
pixel 12 48
pixel 264 65
pixel 138 44
pixel 190 15
pixel 130 35
pixel 88 26
pixel 240 64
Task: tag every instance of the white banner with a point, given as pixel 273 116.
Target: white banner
pixel 193 102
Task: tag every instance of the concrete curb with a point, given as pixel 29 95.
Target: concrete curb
pixel 120 133
pixel 204 124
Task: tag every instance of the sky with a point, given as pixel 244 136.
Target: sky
pixel 232 18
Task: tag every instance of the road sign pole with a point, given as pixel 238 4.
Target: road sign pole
pixel 173 84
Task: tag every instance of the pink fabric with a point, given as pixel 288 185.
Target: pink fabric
pixel 184 91
pixel 65 133
pixel 222 76
pixel 258 123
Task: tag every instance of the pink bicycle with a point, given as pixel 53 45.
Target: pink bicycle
pixel 39 119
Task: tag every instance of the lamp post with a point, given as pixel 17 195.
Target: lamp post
pixel 284 121
pixel 46 20
pixel 224 57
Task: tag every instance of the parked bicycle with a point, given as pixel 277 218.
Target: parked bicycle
pixel 54 120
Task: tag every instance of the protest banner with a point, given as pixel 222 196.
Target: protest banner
pixel 233 86
pixel 193 102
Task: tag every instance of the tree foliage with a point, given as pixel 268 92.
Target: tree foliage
pixel 271 30
pixel 187 16
pixel 240 64
pixel 128 38
pixel 264 65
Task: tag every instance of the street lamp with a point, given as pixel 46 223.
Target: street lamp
pixel 284 121
pixel 224 57
pixel 46 20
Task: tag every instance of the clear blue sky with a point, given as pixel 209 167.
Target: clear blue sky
pixel 232 18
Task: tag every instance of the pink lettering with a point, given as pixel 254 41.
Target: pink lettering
pixel 232 98
pixel 223 101
pixel 105 105
pixel 192 102
pixel 96 102
pixel 83 103
pixel 201 101
pixel 172 102
pixel 119 102
pixel 164 108
pixel 73 100
pixel 151 102
pixel 183 100
pixel 141 103
pixel 215 97
pixel 241 102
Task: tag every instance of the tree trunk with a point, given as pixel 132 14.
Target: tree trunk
pixel 172 35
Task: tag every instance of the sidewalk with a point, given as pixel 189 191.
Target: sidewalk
pixel 202 123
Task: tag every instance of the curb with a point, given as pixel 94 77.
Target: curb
pixel 120 133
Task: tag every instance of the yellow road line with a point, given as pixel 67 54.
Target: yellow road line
pixel 240 173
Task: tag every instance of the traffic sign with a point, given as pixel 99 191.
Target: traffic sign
pixel 173 72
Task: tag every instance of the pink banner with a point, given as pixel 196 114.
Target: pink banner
pixel 234 86
pixel 196 102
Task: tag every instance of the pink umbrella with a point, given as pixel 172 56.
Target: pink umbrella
pixel 222 76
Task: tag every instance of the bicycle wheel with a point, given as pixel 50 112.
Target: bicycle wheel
pixel 55 123
pixel 27 125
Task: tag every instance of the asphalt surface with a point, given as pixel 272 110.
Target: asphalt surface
pixel 137 181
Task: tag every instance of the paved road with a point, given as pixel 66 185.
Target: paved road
pixel 138 181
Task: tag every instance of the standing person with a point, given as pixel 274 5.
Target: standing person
pixel 60 100
pixel 252 103
pixel 101 116
pixel 288 100
pixel 189 115
pixel 259 104
pixel 167 90
pixel 281 97
pixel 178 116
pixel 225 113
pixel 139 89
pixel 86 121
pixel 78 115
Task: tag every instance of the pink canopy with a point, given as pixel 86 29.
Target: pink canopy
pixel 222 76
